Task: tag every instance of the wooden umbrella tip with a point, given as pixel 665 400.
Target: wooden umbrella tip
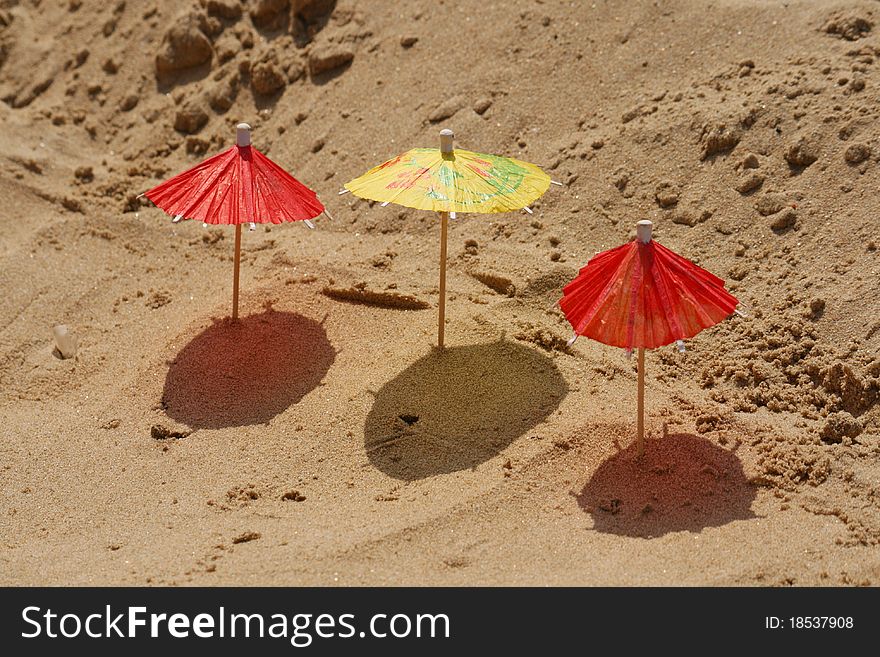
pixel 243 134
pixel 644 228
pixel 446 137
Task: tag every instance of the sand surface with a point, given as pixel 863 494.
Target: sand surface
pixel 321 440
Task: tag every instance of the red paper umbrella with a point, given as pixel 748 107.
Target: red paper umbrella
pixel 642 295
pixel 238 186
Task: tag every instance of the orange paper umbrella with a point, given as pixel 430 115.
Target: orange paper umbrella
pixel 641 296
pixel 238 186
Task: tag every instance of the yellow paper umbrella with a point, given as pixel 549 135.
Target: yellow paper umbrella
pixel 449 181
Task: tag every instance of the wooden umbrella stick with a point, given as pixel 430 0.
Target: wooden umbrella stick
pixel 640 423
pixel 441 320
pixel 644 232
pixel 235 268
pixel 446 148
pixel 242 140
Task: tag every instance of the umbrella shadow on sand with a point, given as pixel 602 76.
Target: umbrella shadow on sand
pixel 683 483
pixel 458 407
pixel 246 371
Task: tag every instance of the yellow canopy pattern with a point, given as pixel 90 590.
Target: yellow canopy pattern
pixel 458 181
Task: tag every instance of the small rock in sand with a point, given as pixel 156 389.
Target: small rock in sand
pixel 246 537
pixel 718 139
pixel 161 432
pixel 128 103
pixel 749 183
pixel 266 78
pixel 408 41
pixel 771 203
pixel 446 109
pixel 857 153
pixel 230 9
pixel 323 59
pixel 65 342
pixel 197 146
pixel 227 47
pixel 838 426
pixel 784 220
pixel 817 307
pixel 81 57
pixel 190 119
pixel 801 153
pixel 183 46
pixel 266 12
pixel 84 174
pixel 666 195
pixel 750 161
pixel 849 26
pixel 482 106
pixel 222 95
pixel 313 10
pixel 690 217
pixel 72 204
pixel 294 67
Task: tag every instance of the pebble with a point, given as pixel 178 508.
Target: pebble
pixel 801 154
pixel 857 153
pixel 482 106
pixel 690 217
pixel 222 95
pixel 161 432
pixel 666 195
pixel 749 183
pixel 230 9
pixel 784 220
pixel 329 58
pixel 128 103
pixel 838 426
pixel 84 174
pixel 183 46
pixel 266 12
pixel 446 109
pixel 750 161
pixel 771 203
pixel 190 119
pixel 65 341
pixel 266 78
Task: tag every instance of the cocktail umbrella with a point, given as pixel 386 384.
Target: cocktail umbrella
pixel 448 181
pixel 642 296
pixel 238 186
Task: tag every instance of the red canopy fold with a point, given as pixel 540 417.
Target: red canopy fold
pixel 238 186
pixel 644 295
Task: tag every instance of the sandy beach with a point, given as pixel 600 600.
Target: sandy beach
pixel 322 439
